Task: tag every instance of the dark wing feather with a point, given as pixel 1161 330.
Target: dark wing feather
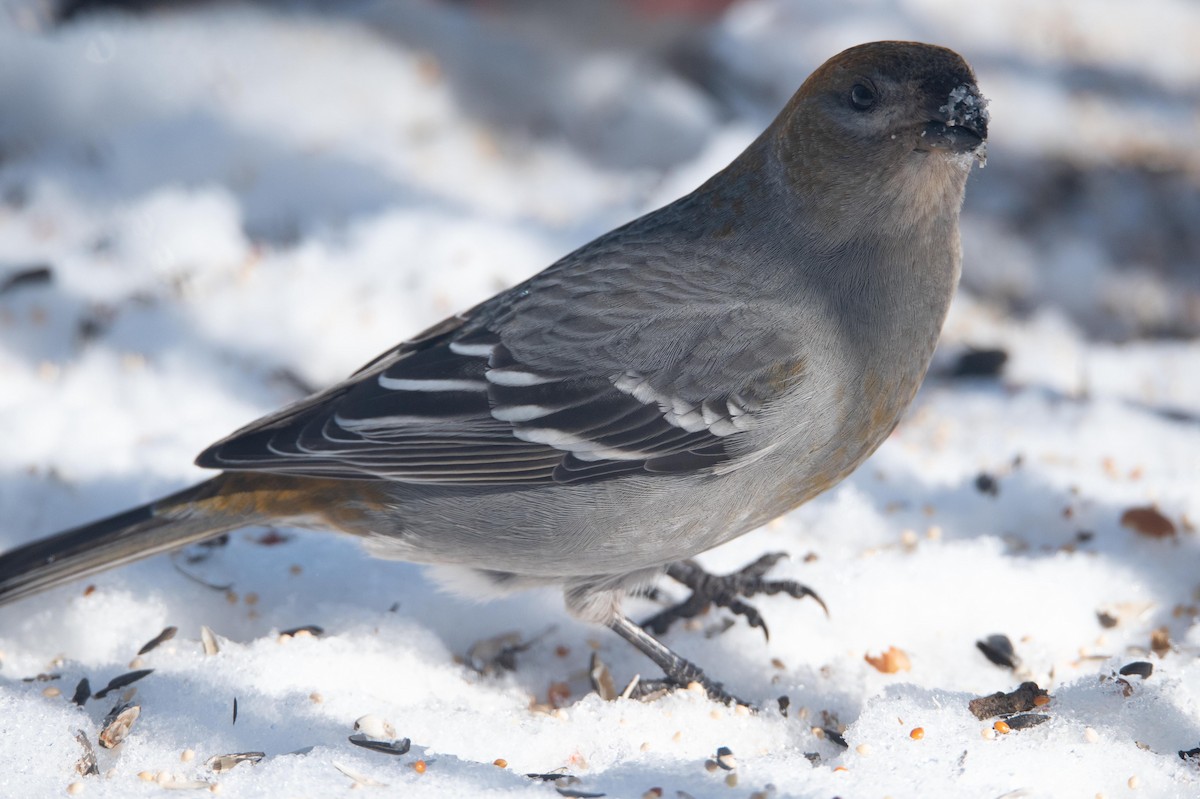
pixel 455 408
pixel 613 361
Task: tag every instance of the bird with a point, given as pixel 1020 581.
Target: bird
pixel 661 390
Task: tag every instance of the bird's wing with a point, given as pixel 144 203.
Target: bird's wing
pixel 458 406
pixel 597 367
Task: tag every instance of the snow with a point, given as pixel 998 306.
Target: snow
pixel 238 202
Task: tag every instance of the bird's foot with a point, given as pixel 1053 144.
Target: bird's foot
pixel 680 672
pixel 647 690
pixel 727 591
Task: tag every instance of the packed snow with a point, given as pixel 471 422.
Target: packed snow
pixel 207 211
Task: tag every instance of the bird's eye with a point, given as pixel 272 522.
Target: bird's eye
pixel 863 97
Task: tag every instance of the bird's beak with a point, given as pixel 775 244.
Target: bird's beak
pixel 960 125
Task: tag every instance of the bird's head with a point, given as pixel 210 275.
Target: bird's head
pixel 892 121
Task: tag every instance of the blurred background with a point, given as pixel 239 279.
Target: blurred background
pixel 573 114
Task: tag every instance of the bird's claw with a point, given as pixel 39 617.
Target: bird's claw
pixel 650 689
pixel 726 591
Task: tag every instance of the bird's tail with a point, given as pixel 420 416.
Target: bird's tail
pixel 169 523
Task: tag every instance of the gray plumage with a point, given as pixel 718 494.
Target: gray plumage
pixel 659 391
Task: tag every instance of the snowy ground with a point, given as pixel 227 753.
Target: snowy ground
pixel 232 203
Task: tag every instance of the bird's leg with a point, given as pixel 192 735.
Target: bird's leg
pixel 726 590
pixel 680 671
